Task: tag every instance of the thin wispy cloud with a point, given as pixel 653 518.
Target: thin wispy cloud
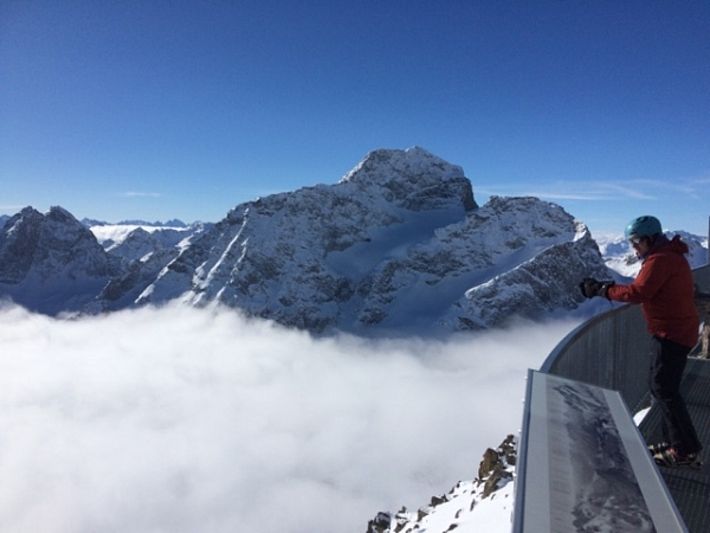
pixel 567 196
pixel 187 420
pixel 635 193
pixel 137 194
pixel 545 195
pixel 578 191
pixel 698 186
pixel 693 188
pixel 636 189
pixel 680 186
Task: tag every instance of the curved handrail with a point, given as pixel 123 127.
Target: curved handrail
pixel 611 350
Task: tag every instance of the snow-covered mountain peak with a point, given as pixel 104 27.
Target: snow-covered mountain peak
pixel 397 246
pixel 413 160
pixel 60 214
pixel 521 212
pixel 413 178
pixel 51 262
pixel 27 216
pixel 27 211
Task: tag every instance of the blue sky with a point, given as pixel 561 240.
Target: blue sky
pixel 185 109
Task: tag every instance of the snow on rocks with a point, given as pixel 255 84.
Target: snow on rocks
pixel 483 504
pixel 464 273
pixel 283 256
pixel 391 247
pixel 543 284
pixel 397 246
pixel 51 262
pixel 414 179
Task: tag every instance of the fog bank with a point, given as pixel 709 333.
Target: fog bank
pixel 183 420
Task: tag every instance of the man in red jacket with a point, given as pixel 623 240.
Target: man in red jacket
pixel 664 288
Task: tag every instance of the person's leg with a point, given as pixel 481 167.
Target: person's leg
pixel 666 373
pixel 656 363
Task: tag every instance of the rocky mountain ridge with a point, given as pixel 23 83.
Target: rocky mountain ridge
pixel 52 262
pixel 397 245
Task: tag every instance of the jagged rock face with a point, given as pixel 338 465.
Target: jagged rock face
pixel 278 257
pixel 3 219
pixel 506 234
pixel 463 506
pixel 413 179
pixel 140 244
pixel 543 284
pixel 51 262
pixel 148 253
pixel 18 242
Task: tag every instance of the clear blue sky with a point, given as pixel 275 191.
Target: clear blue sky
pixel 125 109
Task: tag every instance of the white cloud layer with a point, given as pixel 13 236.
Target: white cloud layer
pixel 183 420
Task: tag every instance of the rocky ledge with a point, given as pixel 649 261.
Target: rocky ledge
pixel 482 505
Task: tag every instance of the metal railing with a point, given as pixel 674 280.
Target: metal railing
pixel 611 351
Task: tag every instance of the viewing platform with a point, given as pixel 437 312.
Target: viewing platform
pixel 582 462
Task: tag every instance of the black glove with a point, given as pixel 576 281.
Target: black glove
pixel 590 287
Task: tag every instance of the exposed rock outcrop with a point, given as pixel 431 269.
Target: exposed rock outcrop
pixel 462 507
pixel 51 262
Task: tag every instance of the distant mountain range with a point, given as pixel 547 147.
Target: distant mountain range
pixel 174 223
pixel 398 245
pixel 620 258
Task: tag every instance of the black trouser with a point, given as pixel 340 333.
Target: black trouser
pixel 667 364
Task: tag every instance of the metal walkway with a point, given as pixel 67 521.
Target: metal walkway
pixel 612 351
pixel 690 489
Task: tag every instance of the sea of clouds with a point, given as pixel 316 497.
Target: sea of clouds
pixel 182 420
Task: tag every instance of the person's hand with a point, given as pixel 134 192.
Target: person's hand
pixel 590 287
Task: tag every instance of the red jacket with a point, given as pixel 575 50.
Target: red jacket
pixel 664 288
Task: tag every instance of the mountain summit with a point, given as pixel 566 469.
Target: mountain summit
pixel 412 178
pixel 51 262
pixel 398 245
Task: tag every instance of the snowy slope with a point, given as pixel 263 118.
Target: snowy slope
pixel 470 272
pixel 272 257
pixel 148 252
pixel 391 247
pixel 112 235
pixel 483 505
pixel 397 246
pixel 544 284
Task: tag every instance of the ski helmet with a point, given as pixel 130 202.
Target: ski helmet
pixel 645 226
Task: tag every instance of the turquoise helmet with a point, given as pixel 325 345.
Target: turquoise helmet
pixel 645 226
